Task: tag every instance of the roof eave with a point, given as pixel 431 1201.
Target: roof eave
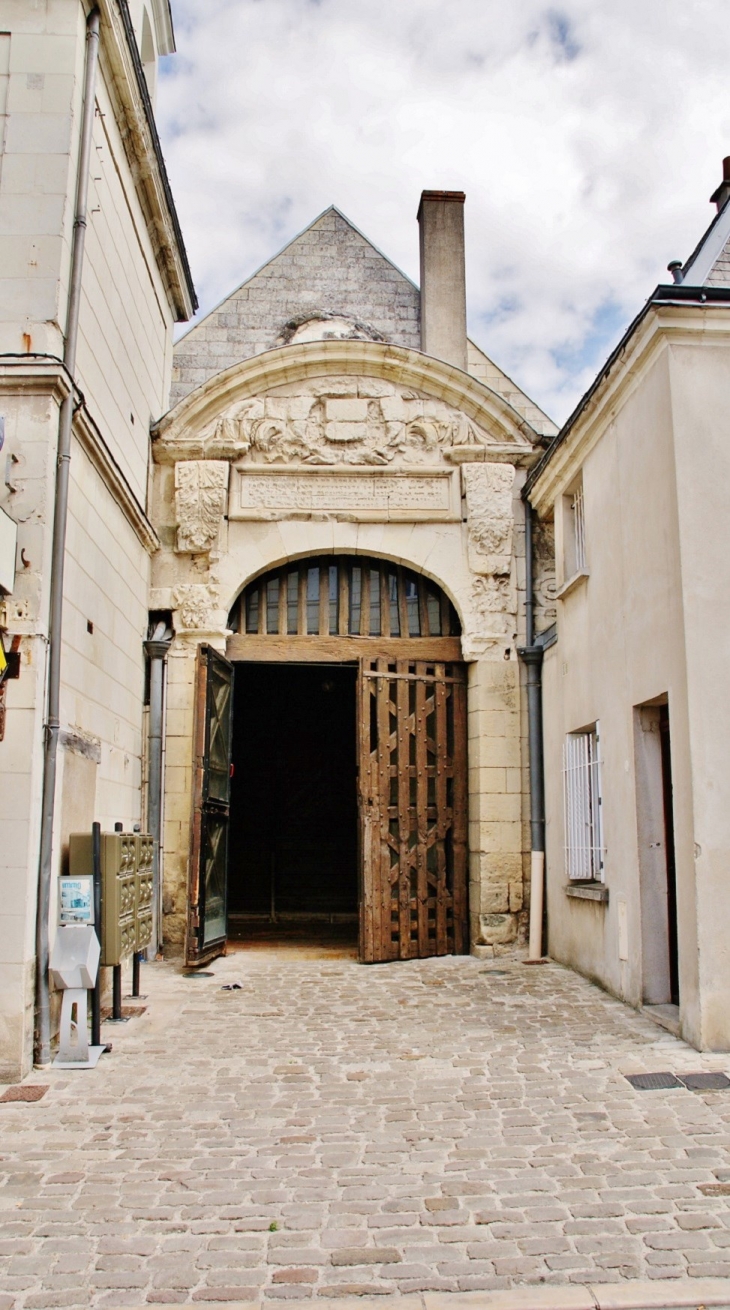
pixel 662 295
pixel 144 152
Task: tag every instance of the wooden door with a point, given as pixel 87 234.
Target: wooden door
pixel 207 893
pixel 413 809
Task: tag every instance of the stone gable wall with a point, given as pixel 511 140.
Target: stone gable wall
pixel 329 269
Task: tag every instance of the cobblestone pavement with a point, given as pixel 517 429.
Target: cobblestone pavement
pixel 332 1129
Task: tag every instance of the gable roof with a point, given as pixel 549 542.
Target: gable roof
pixel 329 269
pixel 709 263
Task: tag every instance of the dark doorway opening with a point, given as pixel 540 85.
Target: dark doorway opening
pixel 671 861
pixel 657 864
pixel 293 845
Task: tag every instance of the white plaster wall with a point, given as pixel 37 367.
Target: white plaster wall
pixel 124 356
pixel 698 376
pixel 621 644
pixel 44 68
pixel 106 582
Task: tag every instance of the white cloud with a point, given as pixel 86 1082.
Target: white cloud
pixel 587 136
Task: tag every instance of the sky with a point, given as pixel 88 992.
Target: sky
pixel 587 136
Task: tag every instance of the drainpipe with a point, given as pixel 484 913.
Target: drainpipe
pixel 43 1043
pixel 156 648
pixel 531 655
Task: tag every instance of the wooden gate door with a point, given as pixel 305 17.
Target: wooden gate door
pixel 413 809
pixel 207 892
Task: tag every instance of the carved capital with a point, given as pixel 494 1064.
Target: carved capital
pixel 195 604
pixel 201 486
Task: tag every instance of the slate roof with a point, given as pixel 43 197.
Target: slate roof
pixel 329 269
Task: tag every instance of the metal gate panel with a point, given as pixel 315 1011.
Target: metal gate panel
pixel 413 807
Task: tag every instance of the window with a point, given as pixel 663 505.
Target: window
pixel 579 528
pixel 346 595
pixel 582 795
pixel 574 555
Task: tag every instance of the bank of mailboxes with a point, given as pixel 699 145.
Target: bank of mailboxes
pixel 126 888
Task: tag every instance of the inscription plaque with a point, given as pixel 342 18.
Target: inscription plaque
pixel 367 495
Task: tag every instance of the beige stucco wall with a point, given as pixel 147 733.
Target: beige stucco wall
pixel 646 624
pixel 699 386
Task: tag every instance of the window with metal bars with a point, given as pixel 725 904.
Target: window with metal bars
pixel 582 797
pixel 575 555
pixel 579 529
pixel 345 595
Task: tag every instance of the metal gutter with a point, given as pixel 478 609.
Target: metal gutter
pixel 58 554
pixel 674 294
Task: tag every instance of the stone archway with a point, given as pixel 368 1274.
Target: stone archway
pixel 353 448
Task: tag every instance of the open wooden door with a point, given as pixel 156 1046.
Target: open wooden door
pixel 413 809
pixel 207 892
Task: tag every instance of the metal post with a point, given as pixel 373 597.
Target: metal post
pixel 531 655
pixel 96 993
pixel 156 649
pixel 136 961
pixel 117 993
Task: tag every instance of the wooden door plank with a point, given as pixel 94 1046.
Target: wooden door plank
pixel 406 949
pixel 424 946
pixel 443 817
pixel 302 649
pixel 367 867
pixel 460 816
pixel 387 741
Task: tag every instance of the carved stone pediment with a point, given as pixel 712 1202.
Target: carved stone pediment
pixel 201 486
pixel 342 420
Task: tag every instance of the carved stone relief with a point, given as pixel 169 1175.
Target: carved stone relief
pixel 200 501
pixel 544 577
pixel 493 606
pixel 341 420
pixel 490 516
pixel 195 603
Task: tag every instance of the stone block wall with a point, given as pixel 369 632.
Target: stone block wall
pixel 330 268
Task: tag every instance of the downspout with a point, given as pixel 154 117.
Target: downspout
pixel 156 649
pixel 43 1041
pixel 531 655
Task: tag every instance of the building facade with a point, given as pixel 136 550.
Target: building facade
pixel 635 716
pixel 135 285
pixel 338 484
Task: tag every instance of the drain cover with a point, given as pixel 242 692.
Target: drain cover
pixel 199 973
pixel 502 972
pixel 31 1092
pixel 705 1082
pixel 651 1082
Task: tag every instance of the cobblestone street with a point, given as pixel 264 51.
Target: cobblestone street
pixel 331 1129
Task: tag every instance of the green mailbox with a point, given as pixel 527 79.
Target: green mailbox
pixel 143 889
pixel 126 889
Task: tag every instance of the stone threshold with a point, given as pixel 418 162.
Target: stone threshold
pixel 637 1294
pixel 666 1016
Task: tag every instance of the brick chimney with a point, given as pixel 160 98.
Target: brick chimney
pixel 723 191
pixel 443 276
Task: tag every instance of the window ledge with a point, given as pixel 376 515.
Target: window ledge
pixel 572 583
pixel 587 891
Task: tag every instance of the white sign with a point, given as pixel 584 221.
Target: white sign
pixel 76 900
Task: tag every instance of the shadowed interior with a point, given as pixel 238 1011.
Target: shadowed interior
pixel 293 829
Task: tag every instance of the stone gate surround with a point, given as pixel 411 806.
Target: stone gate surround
pixel 353 447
